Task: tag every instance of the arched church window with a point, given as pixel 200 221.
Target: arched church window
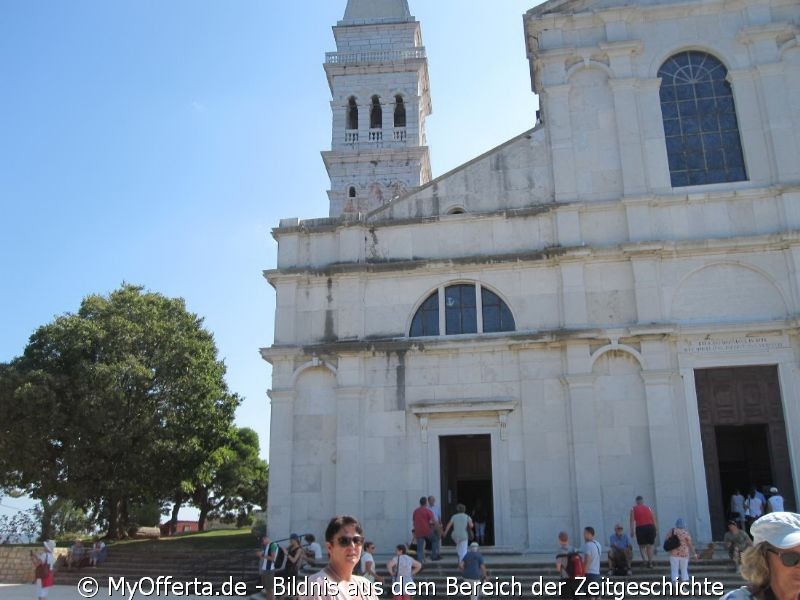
pixel 352 113
pixel 376 114
pixel 399 111
pixel 700 124
pixel 496 314
pixel 351 193
pixel 426 319
pixel 462 303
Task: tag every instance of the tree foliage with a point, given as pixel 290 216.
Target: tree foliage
pixel 235 478
pixel 119 404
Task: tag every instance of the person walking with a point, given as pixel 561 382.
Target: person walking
pixel 436 528
pixel 775 501
pixel 45 562
pixel 462 525
pixel 480 516
pixel 368 563
pixel 424 521
pixel 679 557
pixel 565 550
pixel 737 508
pixel 753 508
pixel 592 550
pixel 736 542
pixel 402 569
pixel 644 525
pixel 473 569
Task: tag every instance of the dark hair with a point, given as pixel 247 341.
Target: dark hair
pixel 402 548
pixel 309 537
pixel 589 530
pixel 337 523
pixel 423 500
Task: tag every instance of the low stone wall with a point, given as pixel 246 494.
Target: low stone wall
pixel 16 565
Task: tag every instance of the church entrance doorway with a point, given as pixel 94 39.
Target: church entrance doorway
pixel 744 436
pixel 466 478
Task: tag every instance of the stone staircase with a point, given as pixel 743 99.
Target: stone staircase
pixel 214 567
pixel 240 566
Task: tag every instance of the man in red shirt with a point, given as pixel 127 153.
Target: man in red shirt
pixel 424 521
pixel 645 526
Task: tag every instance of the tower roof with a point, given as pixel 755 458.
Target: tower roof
pixel 367 12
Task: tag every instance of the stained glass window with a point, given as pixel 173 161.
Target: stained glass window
pixel 700 125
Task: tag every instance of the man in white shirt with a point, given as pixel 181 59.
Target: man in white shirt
pixel 591 556
pixel 775 502
pixel 437 528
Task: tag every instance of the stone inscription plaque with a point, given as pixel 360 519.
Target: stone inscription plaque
pixel 734 345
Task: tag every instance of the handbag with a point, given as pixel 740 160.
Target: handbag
pixel 42 571
pixel 673 542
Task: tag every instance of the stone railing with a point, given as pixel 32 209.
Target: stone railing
pixel 373 56
pixel 399 136
pixel 16 565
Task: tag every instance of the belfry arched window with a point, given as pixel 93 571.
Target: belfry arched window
pixel 462 309
pixel 700 125
pixel 351 192
pixel 352 113
pixel 399 111
pixel 375 114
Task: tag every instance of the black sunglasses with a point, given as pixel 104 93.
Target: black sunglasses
pixel 344 541
pixel 789 559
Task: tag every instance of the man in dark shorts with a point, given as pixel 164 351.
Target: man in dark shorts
pixel 644 525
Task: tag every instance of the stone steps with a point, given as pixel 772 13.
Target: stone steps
pixel 241 566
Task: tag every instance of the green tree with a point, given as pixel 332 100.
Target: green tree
pixel 120 403
pixel 235 478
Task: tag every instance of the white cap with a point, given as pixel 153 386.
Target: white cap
pixel 474 545
pixel 781 529
pixel 773 490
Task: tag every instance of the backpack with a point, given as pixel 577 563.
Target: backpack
pixel 574 565
pixel 281 558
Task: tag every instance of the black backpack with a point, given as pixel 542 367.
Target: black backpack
pixel 280 558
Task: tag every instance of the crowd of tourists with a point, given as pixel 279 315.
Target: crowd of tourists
pixel 766 552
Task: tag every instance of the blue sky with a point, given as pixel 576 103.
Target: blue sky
pixel 158 142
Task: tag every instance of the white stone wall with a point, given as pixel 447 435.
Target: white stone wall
pixel 611 276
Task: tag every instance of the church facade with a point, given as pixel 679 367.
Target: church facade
pixel 603 307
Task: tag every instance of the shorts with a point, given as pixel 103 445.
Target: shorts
pixel 646 535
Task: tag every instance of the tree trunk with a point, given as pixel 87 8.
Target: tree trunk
pixel 176 507
pixel 113 518
pixel 205 508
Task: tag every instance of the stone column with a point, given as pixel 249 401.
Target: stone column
pixel 573 295
pixel 697 467
pixel 559 126
pixel 647 285
pixel 666 447
pixel 782 131
pixel 753 127
pixel 586 460
pixel 634 180
pixel 349 450
pixel 279 510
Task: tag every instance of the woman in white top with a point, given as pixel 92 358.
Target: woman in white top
pixel 402 568
pixel 43 584
pixel 368 563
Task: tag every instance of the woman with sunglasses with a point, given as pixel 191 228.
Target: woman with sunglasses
pixel 344 539
pixel 772 565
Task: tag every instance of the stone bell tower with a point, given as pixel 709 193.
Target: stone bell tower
pixel 378 79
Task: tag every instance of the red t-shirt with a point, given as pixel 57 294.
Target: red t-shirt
pixel 422 518
pixel 642 515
